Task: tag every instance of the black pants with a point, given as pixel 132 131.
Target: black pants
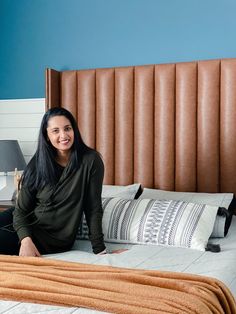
pixel 9 241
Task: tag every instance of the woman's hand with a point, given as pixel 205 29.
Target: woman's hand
pixel 113 252
pixel 28 248
pixel 119 251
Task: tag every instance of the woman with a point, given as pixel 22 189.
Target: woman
pixel 62 180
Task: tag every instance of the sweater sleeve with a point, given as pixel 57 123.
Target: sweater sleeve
pixel 93 208
pixel 23 215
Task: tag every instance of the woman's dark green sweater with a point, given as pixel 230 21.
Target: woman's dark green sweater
pixel 52 216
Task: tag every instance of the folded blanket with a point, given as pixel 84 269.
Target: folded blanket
pixel 111 289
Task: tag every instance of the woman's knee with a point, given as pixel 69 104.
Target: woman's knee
pixel 6 217
pixel 9 241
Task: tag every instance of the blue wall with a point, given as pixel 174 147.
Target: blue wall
pixel 69 34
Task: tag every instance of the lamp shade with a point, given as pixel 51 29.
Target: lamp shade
pixel 11 156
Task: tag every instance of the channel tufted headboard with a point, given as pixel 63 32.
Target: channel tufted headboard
pixel 168 126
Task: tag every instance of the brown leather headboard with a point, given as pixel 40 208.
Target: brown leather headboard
pixel 168 126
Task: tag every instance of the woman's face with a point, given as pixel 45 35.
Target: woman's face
pixel 60 133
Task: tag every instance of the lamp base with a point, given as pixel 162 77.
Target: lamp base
pixel 7 187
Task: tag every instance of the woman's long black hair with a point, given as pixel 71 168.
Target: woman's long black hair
pixel 41 169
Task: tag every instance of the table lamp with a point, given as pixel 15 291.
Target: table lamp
pixel 11 158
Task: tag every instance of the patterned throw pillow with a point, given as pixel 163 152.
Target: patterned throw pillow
pixel 222 222
pixel 157 222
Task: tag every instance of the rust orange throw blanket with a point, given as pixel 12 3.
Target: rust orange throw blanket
pixel 111 289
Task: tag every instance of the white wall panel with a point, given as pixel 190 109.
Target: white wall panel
pixel 26 106
pixel 20 120
pixel 20 134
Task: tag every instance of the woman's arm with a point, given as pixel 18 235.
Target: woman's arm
pixel 93 208
pixel 23 215
pixel 23 219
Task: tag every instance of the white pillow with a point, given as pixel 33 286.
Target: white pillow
pixel 217 199
pixel 124 191
pixel 148 221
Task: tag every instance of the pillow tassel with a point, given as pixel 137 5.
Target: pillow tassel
pixel 215 248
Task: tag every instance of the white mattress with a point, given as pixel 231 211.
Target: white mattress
pixel 218 265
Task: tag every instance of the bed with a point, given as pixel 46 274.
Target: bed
pixel 159 128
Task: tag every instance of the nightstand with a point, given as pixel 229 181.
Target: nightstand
pixel 6 204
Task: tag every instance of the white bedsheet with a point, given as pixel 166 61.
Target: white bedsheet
pixel 218 265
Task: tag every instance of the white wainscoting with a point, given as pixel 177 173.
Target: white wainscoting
pixel 20 120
